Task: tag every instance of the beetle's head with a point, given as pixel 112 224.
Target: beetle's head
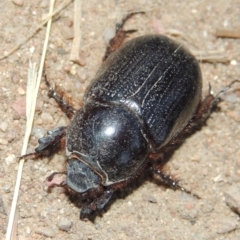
pixel 80 177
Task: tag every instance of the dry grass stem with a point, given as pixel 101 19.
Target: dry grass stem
pixel 38 28
pixel 33 84
pixel 227 33
pixel 74 57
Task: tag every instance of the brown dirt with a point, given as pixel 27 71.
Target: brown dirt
pixel 208 162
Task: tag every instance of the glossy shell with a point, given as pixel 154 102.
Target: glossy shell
pixel 141 97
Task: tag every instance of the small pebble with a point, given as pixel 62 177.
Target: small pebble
pixel 226 225
pixel 43 214
pixel 28 230
pixel 21 91
pixel 3 141
pixel 129 231
pixel 158 26
pixel 61 211
pixel 6 189
pixel 38 132
pixel 20 106
pixel 10 159
pixel 2 208
pixel 46 231
pixel 18 2
pixel 82 58
pixel 73 69
pixel 68 22
pixel 47 118
pixel 67 32
pixel 82 76
pixel 4 126
pixel 232 198
pixel 231 97
pixel 234 115
pixel 108 34
pixel 218 178
pixel 64 224
pixel 149 198
pixel 39 121
pixel 188 210
pixel 44 3
pixel 26 211
pixel 10 135
pixel 62 122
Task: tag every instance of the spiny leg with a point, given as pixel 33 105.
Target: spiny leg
pixel 203 112
pixel 205 108
pixel 48 144
pixel 170 181
pixel 119 37
pixel 97 205
pixel 65 107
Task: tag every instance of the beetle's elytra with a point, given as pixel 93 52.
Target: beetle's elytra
pixel 143 101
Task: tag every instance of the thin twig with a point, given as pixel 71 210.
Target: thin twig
pixel 31 97
pixel 74 57
pixel 227 33
pixel 212 56
pixel 38 28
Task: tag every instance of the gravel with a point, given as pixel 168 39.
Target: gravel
pixel 207 163
pixel 64 224
pixel 232 198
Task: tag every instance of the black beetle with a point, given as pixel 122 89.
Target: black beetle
pixel 137 103
pixel 144 100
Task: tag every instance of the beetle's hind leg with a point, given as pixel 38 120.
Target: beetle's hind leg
pixel 120 36
pixel 205 109
pixel 170 181
pixel 58 97
pixel 49 144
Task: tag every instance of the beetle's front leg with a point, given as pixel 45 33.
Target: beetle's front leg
pixel 97 205
pixel 49 144
pixel 58 97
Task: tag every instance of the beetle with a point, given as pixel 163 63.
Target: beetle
pixel 145 99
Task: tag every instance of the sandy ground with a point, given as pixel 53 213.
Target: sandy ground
pixel 208 162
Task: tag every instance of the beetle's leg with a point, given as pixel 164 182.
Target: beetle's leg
pixel 170 181
pixel 119 37
pixel 205 109
pixel 49 143
pixel 65 107
pixel 97 205
pixel 51 176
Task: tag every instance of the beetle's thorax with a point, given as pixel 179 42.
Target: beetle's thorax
pixel 108 138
